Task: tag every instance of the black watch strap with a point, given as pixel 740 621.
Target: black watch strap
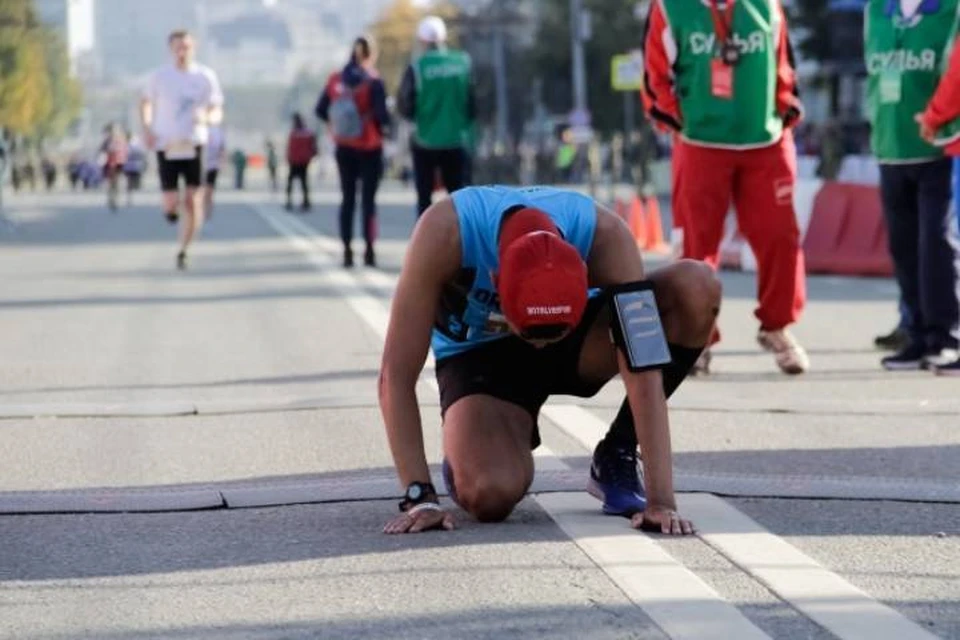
pixel 418 493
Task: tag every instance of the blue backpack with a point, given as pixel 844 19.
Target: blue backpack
pixel 346 121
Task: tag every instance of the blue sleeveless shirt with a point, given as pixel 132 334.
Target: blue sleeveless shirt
pixel 469 312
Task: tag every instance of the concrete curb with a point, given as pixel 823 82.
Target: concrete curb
pixel 182 409
pixel 351 487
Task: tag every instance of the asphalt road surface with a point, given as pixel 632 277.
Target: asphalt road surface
pixel 200 455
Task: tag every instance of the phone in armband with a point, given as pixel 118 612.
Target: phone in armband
pixel 636 326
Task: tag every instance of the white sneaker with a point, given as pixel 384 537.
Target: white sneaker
pixel 941 358
pixel 790 356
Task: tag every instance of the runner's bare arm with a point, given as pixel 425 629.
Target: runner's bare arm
pixel 146 113
pixel 432 259
pixel 615 259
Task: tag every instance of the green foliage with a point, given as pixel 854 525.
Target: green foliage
pixel 66 95
pixel 395 35
pixel 615 31
pixel 37 95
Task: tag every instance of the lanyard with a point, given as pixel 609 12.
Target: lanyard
pixel 722 25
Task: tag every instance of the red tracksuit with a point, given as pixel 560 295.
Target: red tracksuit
pixel 944 107
pixel 759 182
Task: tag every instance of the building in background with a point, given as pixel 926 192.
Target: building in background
pixel 131 35
pixel 74 21
pixel 250 43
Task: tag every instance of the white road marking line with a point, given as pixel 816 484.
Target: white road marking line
pixel 796 578
pixel 546 460
pixel 329 245
pixel 365 305
pixel 680 602
pixel 676 599
pixel 825 597
pixel 581 425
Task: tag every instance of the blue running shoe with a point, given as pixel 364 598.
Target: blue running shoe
pixel 615 481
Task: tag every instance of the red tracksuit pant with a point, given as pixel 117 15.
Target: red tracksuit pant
pixel 759 183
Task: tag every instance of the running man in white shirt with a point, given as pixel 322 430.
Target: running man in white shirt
pixel 214 153
pixel 178 104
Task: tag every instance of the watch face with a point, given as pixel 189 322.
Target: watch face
pixel 414 492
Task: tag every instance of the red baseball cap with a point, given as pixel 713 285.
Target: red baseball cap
pixel 542 279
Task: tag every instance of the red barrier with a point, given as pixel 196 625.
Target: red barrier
pixel 847 234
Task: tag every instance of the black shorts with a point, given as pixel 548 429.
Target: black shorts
pixel 212 177
pixel 511 370
pixel 171 170
pixel 133 180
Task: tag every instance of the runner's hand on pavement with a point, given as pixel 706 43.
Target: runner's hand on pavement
pixel 419 521
pixel 662 520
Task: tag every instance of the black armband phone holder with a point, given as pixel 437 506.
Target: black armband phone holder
pixel 635 326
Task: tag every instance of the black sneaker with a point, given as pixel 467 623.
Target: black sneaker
pixel 910 358
pixel 615 480
pixel 347 257
pixel 172 217
pixel 896 340
pixel 182 261
pixel 369 257
pixel 288 206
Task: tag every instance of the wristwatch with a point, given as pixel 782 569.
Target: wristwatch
pixel 418 493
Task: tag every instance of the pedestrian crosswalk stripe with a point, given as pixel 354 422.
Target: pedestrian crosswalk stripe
pixel 799 580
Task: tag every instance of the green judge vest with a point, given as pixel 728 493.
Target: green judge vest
pixel 905 58
pixel 750 118
pixel 443 91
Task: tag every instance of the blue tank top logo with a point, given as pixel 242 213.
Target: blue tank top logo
pixel 469 312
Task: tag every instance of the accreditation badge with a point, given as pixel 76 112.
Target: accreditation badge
pixel 721 79
pixel 891 86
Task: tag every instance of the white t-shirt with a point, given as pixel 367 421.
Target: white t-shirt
pixel 909 7
pixel 214 148
pixel 180 99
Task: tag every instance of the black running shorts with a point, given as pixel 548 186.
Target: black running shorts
pixel 511 370
pixel 171 170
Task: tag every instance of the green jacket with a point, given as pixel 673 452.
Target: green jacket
pixel 436 93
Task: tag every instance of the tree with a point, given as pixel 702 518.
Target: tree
pixel 615 31
pixel 478 32
pixel 37 95
pixel 25 98
pixel 66 95
pixel 395 34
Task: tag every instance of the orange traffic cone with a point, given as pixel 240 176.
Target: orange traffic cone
pixel 654 228
pixel 636 222
pixel 621 209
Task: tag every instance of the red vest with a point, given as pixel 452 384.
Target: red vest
pixel 301 147
pixel 362 94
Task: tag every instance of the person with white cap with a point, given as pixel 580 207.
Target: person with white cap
pixel 436 94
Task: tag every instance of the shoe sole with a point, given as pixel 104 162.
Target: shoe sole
pixel 947 373
pixel 903 366
pixel 594 490
pixel 791 370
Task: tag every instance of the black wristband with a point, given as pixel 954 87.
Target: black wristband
pixel 418 493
